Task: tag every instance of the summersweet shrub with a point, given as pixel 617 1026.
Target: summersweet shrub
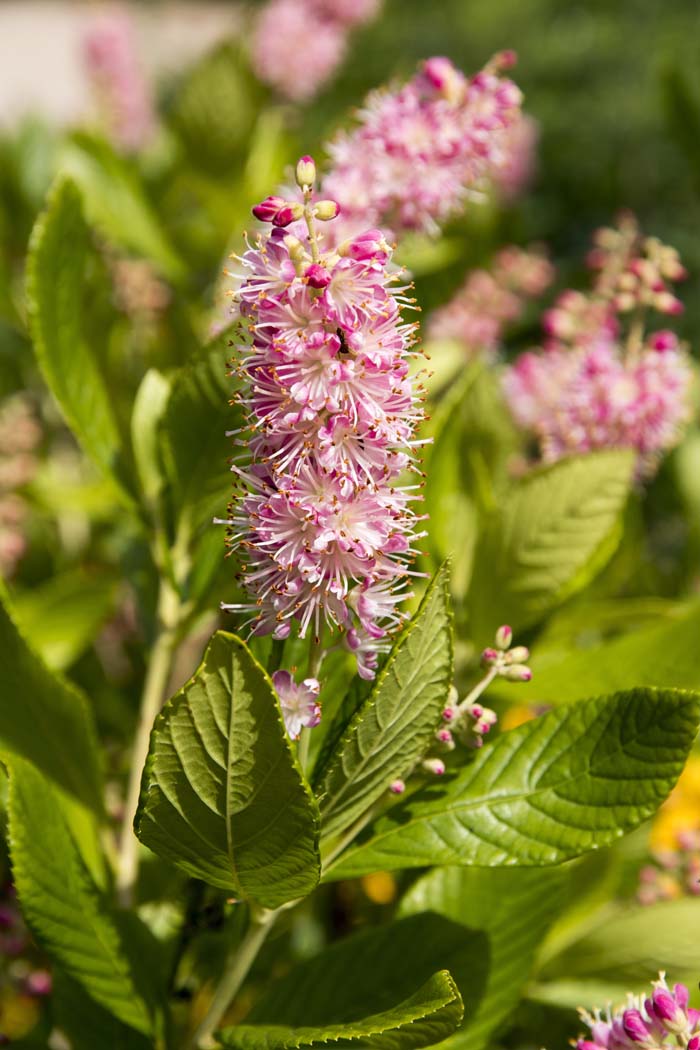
pixel 331 761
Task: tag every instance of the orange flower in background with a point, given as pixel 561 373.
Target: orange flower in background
pixel 681 811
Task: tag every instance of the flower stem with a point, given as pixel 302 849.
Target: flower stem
pixel 237 968
pixel 151 702
pixel 479 688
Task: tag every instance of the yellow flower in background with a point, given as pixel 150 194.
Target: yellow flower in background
pixel 18 1013
pixel 681 811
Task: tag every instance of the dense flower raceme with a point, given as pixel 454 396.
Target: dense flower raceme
pixel 662 1020
pixel 491 299
pixel 418 152
pixel 298 44
pixel 124 94
pixel 601 380
pixel 325 530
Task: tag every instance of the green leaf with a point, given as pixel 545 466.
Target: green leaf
pixel 193 433
pixel 62 905
pixel 58 255
pixel 45 719
pixel 570 781
pixel 394 727
pixel 369 973
pixel 64 615
pixel 115 202
pixel 512 909
pixel 551 535
pixel 222 795
pixel 149 407
pixel 422 1020
pixel 87 1024
pixel 663 655
pixel 634 944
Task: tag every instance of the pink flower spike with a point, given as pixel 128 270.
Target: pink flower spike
pixel 299 702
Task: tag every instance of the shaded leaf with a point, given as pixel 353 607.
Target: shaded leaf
pixel 55 277
pixel 45 719
pixel 222 795
pixel 567 782
pixel 62 905
pixel 425 1018
pixel 552 534
pixel 512 909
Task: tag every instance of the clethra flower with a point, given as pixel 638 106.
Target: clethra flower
pixel 490 300
pixel 299 702
pixel 299 44
pixel 659 1022
pixel 673 872
pixel 325 530
pixel 418 152
pixel 600 381
pixel 113 66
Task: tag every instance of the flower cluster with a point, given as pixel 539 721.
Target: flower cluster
pixel 24 981
pixel 662 1020
pixel 124 94
pixel 492 299
pixel 419 151
pixel 325 530
pixel 674 872
pixel 298 44
pixel 513 176
pixel 601 380
pixel 19 436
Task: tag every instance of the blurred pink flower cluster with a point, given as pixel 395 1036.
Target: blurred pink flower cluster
pixel 602 380
pixel 20 435
pixel 418 151
pixel 326 531
pixel 674 872
pixel 492 299
pixel 298 44
pixel 123 91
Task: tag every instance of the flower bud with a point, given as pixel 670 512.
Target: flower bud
pixel 445 738
pixel 489 657
pixel 368 245
pixel 663 340
pixel 305 172
pixel 268 209
pixel 635 1027
pixel 519 654
pixel 434 766
pixel 450 713
pixel 504 636
pixel 289 213
pixel 326 210
pixel 397 787
pixel 317 276
pixel 517 673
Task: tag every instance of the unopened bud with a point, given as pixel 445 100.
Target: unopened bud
pixel 297 252
pixel 666 303
pixel 317 276
pixel 517 673
pixel 504 636
pixel 444 736
pixel 450 713
pixel 305 172
pixel 269 208
pixel 518 654
pixel 397 787
pixel 326 210
pixel 289 213
pixel 489 657
pixel 434 766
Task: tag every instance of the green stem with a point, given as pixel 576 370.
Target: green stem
pixel 151 701
pixel 479 688
pixel 234 976
pixel 316 657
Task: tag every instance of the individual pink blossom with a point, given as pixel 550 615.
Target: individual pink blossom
pixel 298 44
pixel 600 381
pixel 659 1022
pixel 492 299
pixel 325 530
pixel 299 702
pixel 418 152
pixel 124 94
